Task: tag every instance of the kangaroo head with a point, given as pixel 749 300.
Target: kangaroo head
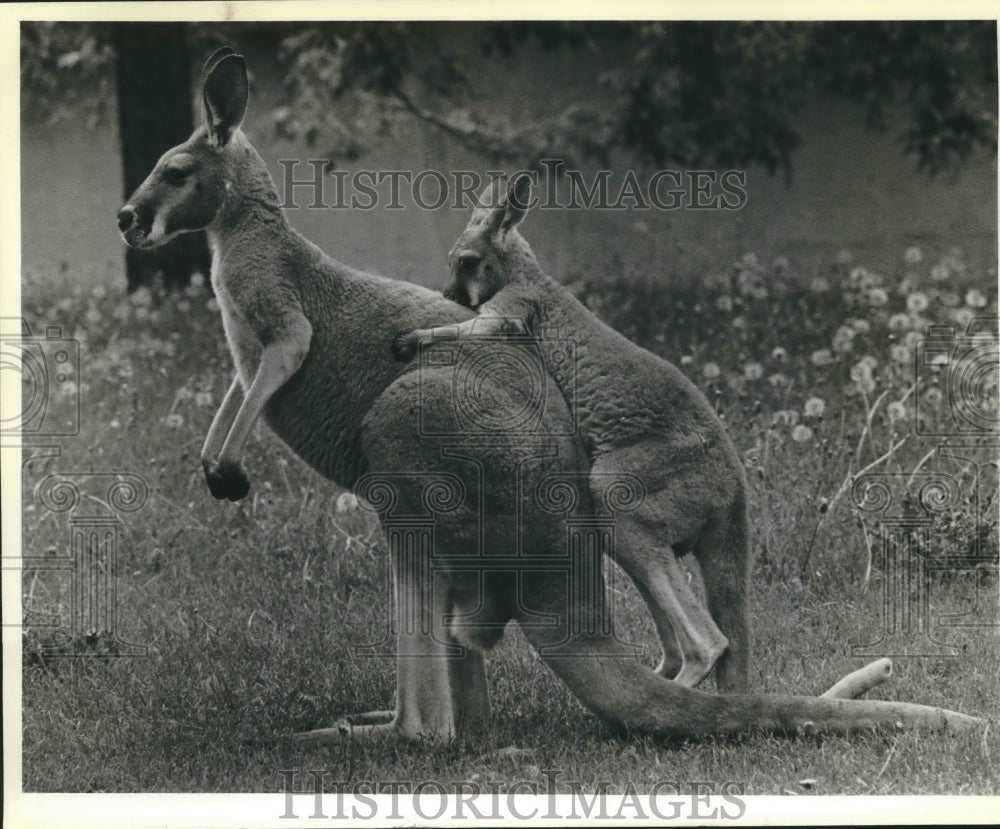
pixel 189 184
pixel 478 261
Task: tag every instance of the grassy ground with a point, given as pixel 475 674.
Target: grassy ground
pixel 250 611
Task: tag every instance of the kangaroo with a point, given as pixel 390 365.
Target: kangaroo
pixel 637 413
pixel 311 339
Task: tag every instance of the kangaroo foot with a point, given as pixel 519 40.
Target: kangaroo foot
pixel 696 665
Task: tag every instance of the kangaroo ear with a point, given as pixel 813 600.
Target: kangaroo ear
pixel 491 206
pixel 517 200
pixel 217 55
pixel 225 92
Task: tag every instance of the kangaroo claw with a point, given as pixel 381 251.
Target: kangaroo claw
pixel 404 346
pixel 227 480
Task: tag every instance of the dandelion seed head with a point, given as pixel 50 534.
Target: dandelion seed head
pixel 814 407
pixel 974 298
pixel 821 357
pixel 802 433
pixel 899 322
pixel 877 297
pixel 917 302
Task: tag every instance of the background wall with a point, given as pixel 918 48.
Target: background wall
pixel 850 188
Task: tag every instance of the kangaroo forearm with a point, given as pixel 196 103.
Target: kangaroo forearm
pixel 223 421
pixel 278 362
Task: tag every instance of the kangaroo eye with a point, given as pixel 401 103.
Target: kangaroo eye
pixel 176 175
pixel 469 261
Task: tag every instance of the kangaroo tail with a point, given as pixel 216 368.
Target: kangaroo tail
pixel 627 695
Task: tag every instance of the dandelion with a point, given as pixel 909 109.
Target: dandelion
pixel 869 361
pixel 686 360
pixel 174 420
pixel 860 370
pixel 753 371
pixel 779 353
pixel 121 311
pixel 819 285
pixel 141 314
pixel 212 305
pixel 821 357
pixel 899 354
pixel 197 279
pixel 843 339
pixel 949 299
pixel 899 322
pixel 815 407
pixel 896 411
pixel 778 379
pixel 858 276
pixel 963 316
pixel 93 316
pixel 939 273
pixel 142 296
pixel 203 398
pixel 911 338
pixel 933 396
pixel 913 256
pixel 785 417
pixel 802 433
pixel 917 302
pixel 877 297
pixel 183 306
pixel 710 370
pixel 781 263
pixel 183 393
pixel 724 303
pixel 866 384
pixel 974 298
pixel 860 326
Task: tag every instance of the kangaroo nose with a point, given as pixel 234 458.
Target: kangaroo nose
pixel 126 216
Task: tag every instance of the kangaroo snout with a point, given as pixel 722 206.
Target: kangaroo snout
pixel 134 234
pixel 126 216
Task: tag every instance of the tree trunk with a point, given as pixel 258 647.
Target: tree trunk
pixel 153 70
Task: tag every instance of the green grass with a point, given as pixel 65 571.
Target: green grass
pixel 250 611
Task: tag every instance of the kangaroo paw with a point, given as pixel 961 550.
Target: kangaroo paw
pixel 404 346
pixel 227 480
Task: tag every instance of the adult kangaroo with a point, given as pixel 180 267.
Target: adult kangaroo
pixel 311 342
pixel 638 414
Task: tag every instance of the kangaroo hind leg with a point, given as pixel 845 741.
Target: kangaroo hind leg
pixel 723 552
pixel 689 637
